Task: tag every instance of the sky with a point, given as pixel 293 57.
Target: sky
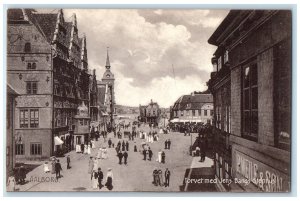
pixel 143 46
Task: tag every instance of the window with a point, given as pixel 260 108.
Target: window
pixel 250 102
pixel 81 122
pixel 36 149
pixel 218 123
pixel 31 66
pixel 31 87
pixel 219 63
pixel 25 118
pixel 181 113
pixel 199 112
pixel 211 112
pixel 27 47
pixel 205 112
pixel 193 113
pixel 187 112
pixel 19 149
pixel 226 59
pixel 34 118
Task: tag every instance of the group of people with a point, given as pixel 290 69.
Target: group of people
pixel 149 137
pixel 147 152
pixel 121 155
pixel 56 166
pixel 168 144
pixel 102 153
pixel 158 179
pixel 97 178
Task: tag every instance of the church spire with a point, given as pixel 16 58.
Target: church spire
pixel 107 65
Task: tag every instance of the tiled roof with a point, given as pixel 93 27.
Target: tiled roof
pixel 192 102
pixel 101 94
pixel 14 14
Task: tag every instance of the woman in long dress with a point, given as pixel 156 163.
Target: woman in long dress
pixel 91 165
pixel 159 156
pixel 11 184
pixel 85 148
pixel 99 154
pixel 109 179
pixel 89 149
pixel 104 153
pixel 94 179
pixel 46 167
pixel 95 168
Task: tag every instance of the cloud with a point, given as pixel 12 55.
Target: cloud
pixel 143 46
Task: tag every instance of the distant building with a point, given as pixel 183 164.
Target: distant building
pixel 251 85
pixel 47 64
pixel 196 107
pixel 150 113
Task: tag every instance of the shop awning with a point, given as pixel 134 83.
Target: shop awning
pixel 174 120
pixel 58 141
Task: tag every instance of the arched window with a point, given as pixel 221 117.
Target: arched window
pixel 27 47
pixel 33 66
pixel 29 66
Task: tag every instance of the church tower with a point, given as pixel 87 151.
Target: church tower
pixel 109 79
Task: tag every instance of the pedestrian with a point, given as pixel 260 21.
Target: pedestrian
pixel 135 148
pixel 22 174
pixel 57 169
pixel 159 156
pixel 89 149
pixel 125 155
pixel 113 145
pixel 94 179
pixel 145 154
pixel 127 146
pixel 11 184
pixel 95 166
pixel 161 182
pixel 82 148
pixel 109 143
pixel 163 157
pixel 202 148
pixel 123 146
pixel 167 177
pixel 100 178
pixel 104 153
pixel 120 156
pixel 68 162
pixel 91 165
pixel 46 167
pixel 155 181
pixel 53 166
pixel 166 144
pixel 109 179
pixel 150 154
pixel 169 143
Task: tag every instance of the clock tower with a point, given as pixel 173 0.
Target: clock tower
pixel 109 79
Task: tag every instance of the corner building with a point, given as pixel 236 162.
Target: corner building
pixel 252 66
pixel 47 66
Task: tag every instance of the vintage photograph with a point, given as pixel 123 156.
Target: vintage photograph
pixel 148 100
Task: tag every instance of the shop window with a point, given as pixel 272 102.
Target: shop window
pixel 31 87
pixel 205 112
pixel 193 113
pixel 250 102
pixel 19 149
pixel 36 149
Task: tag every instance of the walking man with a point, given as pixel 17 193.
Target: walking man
pixel 100 178
pixel 57 169
pixel 145 154
pixel 120 156
pixel 68 162
pixel 166 144
pixel 167 177
pixel 109 143
pixel 125 154
pixel 163 157
pixel 150 154
pixel 127 146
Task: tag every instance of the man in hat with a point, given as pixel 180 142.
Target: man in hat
pixel 120 156
pixel 57 169
pixel 150 154
pixel 125 155
pixel 68 162
pixel 100 178
pixel 109 143
pixel 127 146
pixel 167 177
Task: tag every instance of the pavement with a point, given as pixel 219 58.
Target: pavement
pixel 135 176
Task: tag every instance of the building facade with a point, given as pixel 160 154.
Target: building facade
pixel 150 113
pixel 196 107
pixel 47 64
pixel 252 66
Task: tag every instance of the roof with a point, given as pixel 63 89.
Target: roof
pixel 192 102
pixel 10 90
pixel 101 94
pixel 46 23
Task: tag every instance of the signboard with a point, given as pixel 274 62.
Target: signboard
pixel 264 177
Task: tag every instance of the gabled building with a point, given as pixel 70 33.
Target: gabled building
pixel 47 64
pixel 150 113
pixel 251 85
pixel 196 107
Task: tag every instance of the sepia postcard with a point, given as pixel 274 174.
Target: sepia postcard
pixel 148 100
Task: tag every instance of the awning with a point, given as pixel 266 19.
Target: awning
pixel 174 120
pixel 58 141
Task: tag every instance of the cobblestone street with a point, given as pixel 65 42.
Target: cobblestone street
pixel 135 176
